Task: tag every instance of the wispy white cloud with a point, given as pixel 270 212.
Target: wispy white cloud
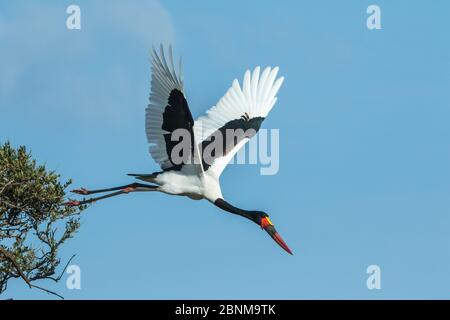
pixel 80 72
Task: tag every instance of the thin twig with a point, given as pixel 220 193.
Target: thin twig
pixel 48 291
pixel 64 270
pixel 9 204
pixel 5 186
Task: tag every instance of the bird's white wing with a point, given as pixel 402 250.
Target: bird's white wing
pixel 241 110
pixel 167 111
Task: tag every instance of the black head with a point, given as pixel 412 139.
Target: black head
pixel 256 216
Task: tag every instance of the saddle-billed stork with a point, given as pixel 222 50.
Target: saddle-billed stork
pixel 241 110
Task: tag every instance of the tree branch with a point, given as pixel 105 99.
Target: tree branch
pixel 23 276
pixel 7 255
pixel 5 186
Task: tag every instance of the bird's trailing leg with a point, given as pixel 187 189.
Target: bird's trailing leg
pixel 132 187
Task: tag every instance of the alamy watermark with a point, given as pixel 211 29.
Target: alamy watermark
pixel 73 21
pixel 73 281
pixel 374 279
pixel 374 20
pixel 262 148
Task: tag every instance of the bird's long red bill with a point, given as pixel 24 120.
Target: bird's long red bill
pixel 276 236
pixel 270 229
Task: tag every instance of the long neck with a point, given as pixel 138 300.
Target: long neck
pixel 251 215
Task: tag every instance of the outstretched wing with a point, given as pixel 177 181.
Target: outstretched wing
pixel 240 111
pixel 167 111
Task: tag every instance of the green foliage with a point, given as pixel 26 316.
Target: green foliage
pixel 34 223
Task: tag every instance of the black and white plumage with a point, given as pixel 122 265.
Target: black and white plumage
pixel 167 110
pixel 196 174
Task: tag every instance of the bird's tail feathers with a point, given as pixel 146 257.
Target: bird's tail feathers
pixel 149 177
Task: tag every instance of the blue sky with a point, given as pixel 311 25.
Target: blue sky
pixel 364 145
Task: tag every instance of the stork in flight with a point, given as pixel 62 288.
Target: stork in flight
pixel 241 109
